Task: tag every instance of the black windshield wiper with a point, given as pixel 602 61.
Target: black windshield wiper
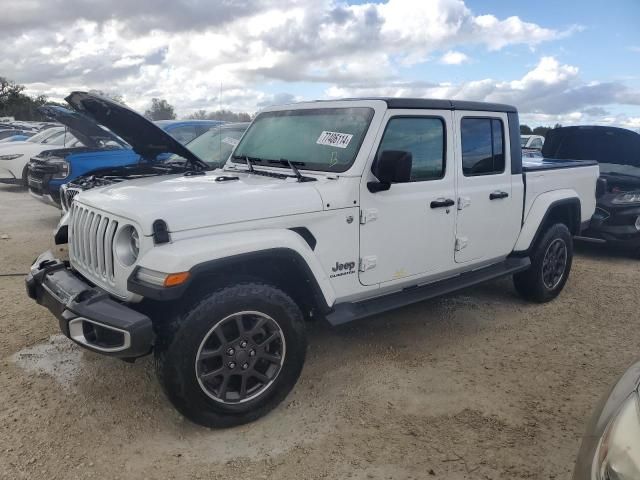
pixel 248 160
pixel 294 169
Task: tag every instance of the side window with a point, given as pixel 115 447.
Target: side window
pixel 537 144
pixel 482 146
pixel 422 136
pixel 184 134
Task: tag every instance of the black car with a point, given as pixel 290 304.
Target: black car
pixel 617 151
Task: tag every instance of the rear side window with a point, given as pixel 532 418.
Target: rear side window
pixel 424 138
pixel 482 146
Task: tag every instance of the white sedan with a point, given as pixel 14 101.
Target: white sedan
pixel 14 156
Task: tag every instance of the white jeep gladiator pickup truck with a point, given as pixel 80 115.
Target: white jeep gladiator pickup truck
pixel 330 209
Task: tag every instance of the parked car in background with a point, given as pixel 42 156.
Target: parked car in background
pixel 14 156
pixel 531 142
pixel 617 151
pixel 102 149
pixel 11 132
pixel 186 130
pixel 610 448
pixel 213 147
pixel 15 138
pixel 216 271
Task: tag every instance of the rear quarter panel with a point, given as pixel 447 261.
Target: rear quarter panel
pixel 545 187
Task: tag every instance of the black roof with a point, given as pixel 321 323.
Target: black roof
pixel 437 104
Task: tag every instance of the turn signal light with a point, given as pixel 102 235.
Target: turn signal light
pixel 175 279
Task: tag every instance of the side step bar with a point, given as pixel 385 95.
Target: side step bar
pixel 347 312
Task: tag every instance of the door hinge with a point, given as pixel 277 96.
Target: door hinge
pixel 367 263
pixel 368 215
pixel 463 202
pixel 461 242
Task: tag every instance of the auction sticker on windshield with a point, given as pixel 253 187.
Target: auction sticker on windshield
pixel 334 139
pixel 230 141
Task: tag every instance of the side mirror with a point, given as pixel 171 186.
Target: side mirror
pixel 392 166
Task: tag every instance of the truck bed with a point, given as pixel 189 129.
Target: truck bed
pixel 546 175
pixel 537 164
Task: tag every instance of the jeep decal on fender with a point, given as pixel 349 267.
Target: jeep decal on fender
pixel 345 268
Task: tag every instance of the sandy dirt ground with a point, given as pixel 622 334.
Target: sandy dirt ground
pixel 478 385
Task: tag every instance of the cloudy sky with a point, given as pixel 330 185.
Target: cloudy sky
pixel 567 62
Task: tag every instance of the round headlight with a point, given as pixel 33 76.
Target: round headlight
pixel 127 245
pixel 638 223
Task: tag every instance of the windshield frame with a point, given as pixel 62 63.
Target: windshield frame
pixel 307 110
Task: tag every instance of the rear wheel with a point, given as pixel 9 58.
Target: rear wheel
pixel 233 356
pixel 551 261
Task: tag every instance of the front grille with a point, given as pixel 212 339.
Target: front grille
pixel 36 174
pixel 91 247
pixel 67 196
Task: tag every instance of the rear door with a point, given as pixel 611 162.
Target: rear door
pixel 488 220
pixel 407 231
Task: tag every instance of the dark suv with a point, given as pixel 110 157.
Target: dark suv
pixel 617 151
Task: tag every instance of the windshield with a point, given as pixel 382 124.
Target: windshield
pixel 61 138
pixel 41 136
pixel 214 146
pixel 523 141
pixel 326 139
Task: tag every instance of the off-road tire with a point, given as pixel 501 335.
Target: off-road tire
pixel 530 283
pixel 178 346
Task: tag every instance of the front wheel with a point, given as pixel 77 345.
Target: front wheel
pixel 233 356
pixel 551 261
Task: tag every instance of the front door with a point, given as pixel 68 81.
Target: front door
pixel 488 220
pixel 407 232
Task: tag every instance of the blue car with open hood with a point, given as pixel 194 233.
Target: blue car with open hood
pixel 129 140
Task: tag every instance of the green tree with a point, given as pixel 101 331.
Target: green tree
pixel 224 115
pixel 160 110
pixel 541 130
pixel 525 130
pixel 15 103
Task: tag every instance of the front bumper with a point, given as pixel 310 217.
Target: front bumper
pixel 41 184
pixel 87 315
pixel 615 226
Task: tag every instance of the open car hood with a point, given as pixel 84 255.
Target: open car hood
pixel 602 144
pixel 147 139
pixel 83 128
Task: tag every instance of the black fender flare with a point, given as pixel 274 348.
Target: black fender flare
pixel 244 263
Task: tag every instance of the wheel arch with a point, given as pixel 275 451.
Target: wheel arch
pixel 280 257
pixel 546 211
pixel 283 268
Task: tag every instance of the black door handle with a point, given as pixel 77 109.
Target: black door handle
pixel 442 203
pixel 498 195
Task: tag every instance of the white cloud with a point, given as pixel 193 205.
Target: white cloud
pixel 551 92
pixel 454 58
pixel 185 50
pixel 188 52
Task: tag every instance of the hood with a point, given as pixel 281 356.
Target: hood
pixel 83 128
pixel 201 201
pixel 603 144
pixel 147 139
